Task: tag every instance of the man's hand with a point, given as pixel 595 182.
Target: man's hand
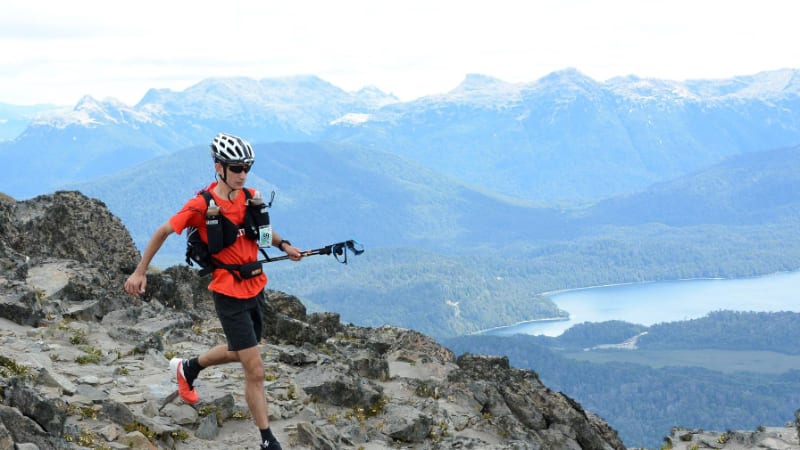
pixel 135 284
pixel 294 253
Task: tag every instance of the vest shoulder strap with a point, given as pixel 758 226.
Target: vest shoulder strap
pixel 207 195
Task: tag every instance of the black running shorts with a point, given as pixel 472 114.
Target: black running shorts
pixel 242 320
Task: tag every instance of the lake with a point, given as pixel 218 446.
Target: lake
pixel 667 301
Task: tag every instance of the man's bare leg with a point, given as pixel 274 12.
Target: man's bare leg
pixel 254 377
pixel 217 355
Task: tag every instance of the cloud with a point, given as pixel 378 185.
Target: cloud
pixel 59 51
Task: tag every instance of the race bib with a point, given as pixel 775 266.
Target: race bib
pixel 265 236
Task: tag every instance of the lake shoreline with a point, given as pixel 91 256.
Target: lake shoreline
pixel 626 309
pixel 562 291
pixel 567 318
pixel 521 322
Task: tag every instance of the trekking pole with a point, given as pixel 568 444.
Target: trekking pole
pixel 338 250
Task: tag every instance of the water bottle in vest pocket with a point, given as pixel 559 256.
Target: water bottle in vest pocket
pixel 214 228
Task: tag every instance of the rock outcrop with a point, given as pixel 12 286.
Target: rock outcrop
pixel 777 438
pixel 82 365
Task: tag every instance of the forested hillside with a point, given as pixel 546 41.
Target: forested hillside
pixel 752 188
pixel 388 279
pixel 729 330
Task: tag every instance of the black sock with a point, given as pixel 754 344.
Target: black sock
pixel 191 369
pixel 266 435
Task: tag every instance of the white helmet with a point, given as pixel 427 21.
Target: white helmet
pixel 229 149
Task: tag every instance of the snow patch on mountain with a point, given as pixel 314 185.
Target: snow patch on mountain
pixel 771 84
pixel 478 90
pixel 351 119
pixel 763 85
pixel 375 98
pixel 564 87
pixel 63 119
pixel 90 112
pixel 647 89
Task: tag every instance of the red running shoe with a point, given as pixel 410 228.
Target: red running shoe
pixel 185 390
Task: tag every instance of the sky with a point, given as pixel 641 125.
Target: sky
pixel 56 51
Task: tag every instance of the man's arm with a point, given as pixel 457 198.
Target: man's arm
pixel 294 253
pixel 137 281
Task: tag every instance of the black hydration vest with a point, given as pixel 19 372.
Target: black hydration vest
pixel 223 235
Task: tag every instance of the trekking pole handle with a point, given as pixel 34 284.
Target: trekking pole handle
pixel 317 251
pixel 335 249
pixel 284 257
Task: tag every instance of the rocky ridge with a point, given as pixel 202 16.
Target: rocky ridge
pixel 83 365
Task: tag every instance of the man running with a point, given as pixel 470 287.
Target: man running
pixel 238 295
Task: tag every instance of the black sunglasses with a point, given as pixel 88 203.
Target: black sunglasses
pixel 239 169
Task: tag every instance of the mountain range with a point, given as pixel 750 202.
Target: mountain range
pixel 562 138
pixel 420 183
pixel 567 137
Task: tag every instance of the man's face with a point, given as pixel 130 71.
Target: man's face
pixel 236 174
